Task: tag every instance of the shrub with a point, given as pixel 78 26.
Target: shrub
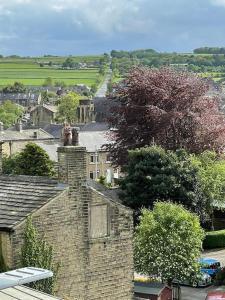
pixel 214 239
pixel 220 277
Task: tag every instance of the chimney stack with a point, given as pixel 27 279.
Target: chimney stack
pixel 19 126
pixel 72 161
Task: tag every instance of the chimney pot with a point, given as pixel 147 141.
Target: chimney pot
pixel 19 126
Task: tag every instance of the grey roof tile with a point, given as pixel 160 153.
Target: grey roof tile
pixel 21 195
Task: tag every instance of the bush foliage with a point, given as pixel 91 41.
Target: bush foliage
pixel 214 239
pixel 168 242
pixel 32 160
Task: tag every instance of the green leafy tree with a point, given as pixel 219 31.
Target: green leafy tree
pixel 156 174
pixel 211 173
pixel 36 252
pixel 47 96
pixel 48 82
pixel 17 87
pixel 168 243
pixel 9 164
pixel 32 160
pixel 60 83
pixel 10 113
pixel 67 108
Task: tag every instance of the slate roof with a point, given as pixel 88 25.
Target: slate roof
pixel 52 108
pixel 56 129
pixel 22 195
pixel 13 134
pixel 19 96
pixel 24 293
pixel 91 140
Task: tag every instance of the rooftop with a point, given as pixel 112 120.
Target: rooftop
pixel 13 134
pixel 52 108
pixel 21 195
pixel 91 140
pixel 24 293
pixel 18 96
pixel 56 129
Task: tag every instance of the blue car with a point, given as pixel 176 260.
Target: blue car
pixel 210 266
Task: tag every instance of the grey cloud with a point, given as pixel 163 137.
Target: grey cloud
pixel 94 26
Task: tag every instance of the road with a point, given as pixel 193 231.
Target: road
pixel 101 92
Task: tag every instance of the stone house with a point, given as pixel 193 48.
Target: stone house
pixel 85 111
pixel 43 114
pixel 90 231
pixel 92 136
pixel 23 99
pixel 17 137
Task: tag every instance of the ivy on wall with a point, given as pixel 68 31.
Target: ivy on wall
pixel 36 252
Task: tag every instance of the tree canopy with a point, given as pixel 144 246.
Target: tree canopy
pixel 168 243
pixel 153 173
pixel 32 160
pixel 67 108
pixel 211 174
pixel 10 113
pixel 17 87
pixel 167 107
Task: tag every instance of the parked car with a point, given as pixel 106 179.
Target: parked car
pixel 215 295
pixel 203 280
pixel 210 266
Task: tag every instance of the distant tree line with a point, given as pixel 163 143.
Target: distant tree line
pixel 209 50
pixel 123 61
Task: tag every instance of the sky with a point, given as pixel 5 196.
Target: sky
pixel 80 27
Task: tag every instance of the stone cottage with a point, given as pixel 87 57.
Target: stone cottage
pixel 90 231
pixel 43 114
pixel 16 138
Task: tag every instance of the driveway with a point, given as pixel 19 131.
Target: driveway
pixel 189 293
pixel 218 254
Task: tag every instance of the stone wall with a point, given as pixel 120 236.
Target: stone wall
pixel 90 234
pixel 41 116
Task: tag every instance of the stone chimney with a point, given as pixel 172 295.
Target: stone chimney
pixel 72 159
pixel 72 163
pixel 19 126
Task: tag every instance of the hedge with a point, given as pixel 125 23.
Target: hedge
pixel 214 239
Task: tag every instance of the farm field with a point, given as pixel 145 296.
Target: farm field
pixel 29 72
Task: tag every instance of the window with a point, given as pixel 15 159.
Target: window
pixel 108 158
pixel 94 158
pixel 98 221
pixel 92 174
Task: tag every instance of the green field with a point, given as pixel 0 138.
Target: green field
pixel 29 72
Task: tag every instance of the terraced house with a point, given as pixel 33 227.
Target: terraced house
pixel 90 231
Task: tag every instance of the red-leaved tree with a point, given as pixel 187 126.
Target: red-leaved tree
pixel 167 107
